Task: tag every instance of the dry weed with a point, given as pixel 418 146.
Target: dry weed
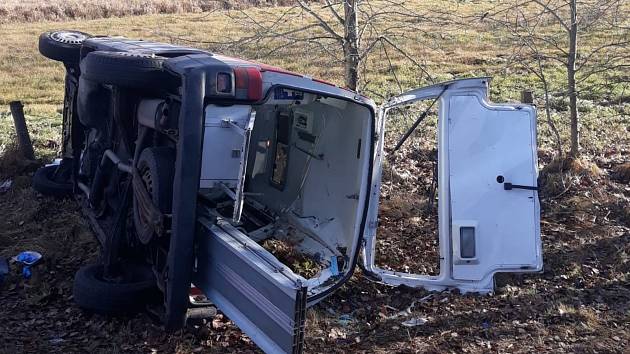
pixel 12 162
pixel 557 177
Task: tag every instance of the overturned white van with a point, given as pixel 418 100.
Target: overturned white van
pixel 222 165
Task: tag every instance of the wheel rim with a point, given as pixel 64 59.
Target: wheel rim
pixel 69 37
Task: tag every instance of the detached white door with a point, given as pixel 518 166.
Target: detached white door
pixel 489 214
pixel 492 179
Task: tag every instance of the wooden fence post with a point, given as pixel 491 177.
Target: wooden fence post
pixel 24 140
pixel 527 96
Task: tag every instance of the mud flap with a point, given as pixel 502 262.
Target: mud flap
pixel 262 296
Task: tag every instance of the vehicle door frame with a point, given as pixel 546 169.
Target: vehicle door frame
pixel 444 280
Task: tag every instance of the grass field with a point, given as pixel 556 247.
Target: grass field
pixel 446 52
pixel 581 303
pixel 12 11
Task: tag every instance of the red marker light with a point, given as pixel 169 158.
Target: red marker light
pixel 254 91
pixel 250 79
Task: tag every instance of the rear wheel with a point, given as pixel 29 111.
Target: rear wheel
pixel 49 180
pixel 128 69
pixel 64 46
pixel 130 291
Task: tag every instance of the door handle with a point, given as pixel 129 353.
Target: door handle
pixel 509 186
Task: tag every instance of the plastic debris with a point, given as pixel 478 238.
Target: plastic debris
pixel 408 311
pixel 55 162
pixel 5 186
pixel 28 259
pixel 334 268
pixel 418 321
pixel 345 320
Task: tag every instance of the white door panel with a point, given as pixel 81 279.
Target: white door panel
pixel 484 145
pixel 484 226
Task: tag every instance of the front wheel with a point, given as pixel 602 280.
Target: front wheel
pixel 64 46
pixel 130 291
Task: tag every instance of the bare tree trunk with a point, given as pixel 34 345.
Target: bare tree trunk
pixel 575 128
pixel 351 44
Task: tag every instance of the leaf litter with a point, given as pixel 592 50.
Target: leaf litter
pixel 579 303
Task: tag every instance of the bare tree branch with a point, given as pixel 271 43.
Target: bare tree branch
pixel 321 22
pixel 329 5
pixel 404 53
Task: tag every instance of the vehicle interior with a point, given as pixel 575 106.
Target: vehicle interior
pixel 305 184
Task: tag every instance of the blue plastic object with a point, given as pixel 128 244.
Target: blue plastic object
pixel 334 268
pixel 29 259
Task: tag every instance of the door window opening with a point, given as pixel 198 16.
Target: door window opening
pixel 408 219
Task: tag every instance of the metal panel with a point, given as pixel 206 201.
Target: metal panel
pixel 486 140
pixel 488 147
pixel 226 136
pixel 261 295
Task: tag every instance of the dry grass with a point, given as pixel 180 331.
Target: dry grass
pixel 13 163
pixel 60 10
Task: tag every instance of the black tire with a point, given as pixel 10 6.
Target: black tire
pixel 48 182
pixel 156 168
pixel 128 69
pixel 131 294
pixel 64 46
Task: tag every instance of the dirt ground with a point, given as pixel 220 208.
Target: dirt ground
pixel 579 304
